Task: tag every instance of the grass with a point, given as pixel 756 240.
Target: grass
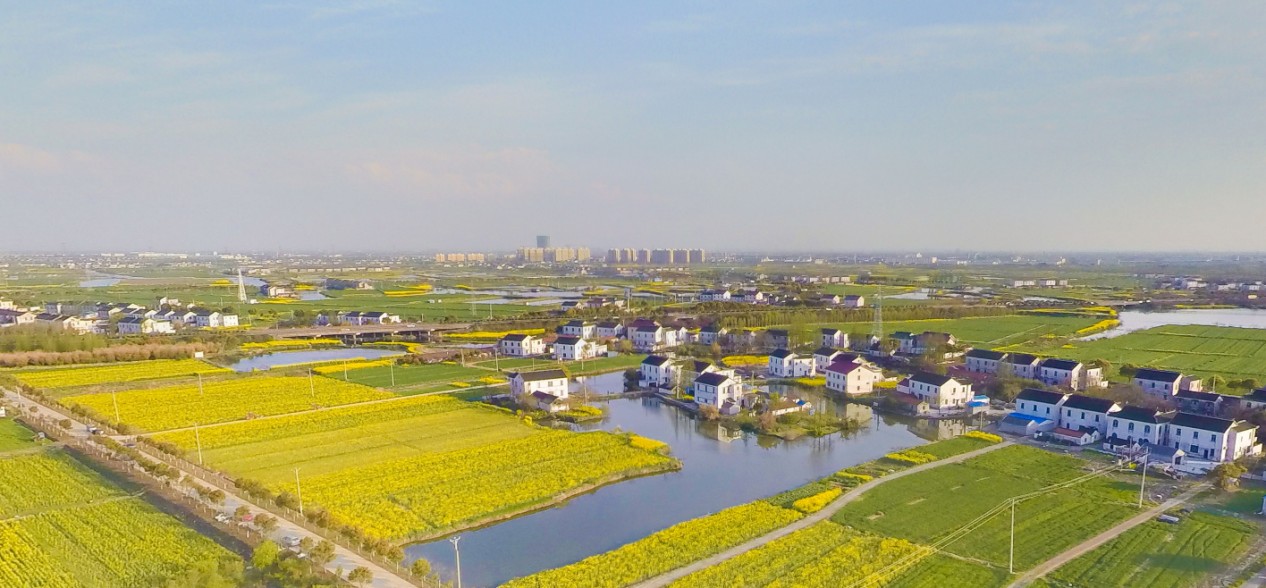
pixel 13 435
pixel 942 571
pixel 1231 352
pixel 408 376
pixel 1161 555
pixel 982 331
pixel 927 506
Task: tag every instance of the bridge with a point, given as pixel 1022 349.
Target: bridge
pixel 362 333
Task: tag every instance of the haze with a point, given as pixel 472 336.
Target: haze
pixel 781 125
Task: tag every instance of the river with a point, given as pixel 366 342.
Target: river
pixel 280 358
pixel 720 468
pixel 1137 320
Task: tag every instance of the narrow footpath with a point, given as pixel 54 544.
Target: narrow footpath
pixel 343 557
pixel 1090 544
pixel 817 517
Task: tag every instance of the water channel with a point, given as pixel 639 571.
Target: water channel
pixel 1137 320
pixel 280 358
pixel 721 468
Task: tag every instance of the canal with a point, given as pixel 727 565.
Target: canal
pixel 721 468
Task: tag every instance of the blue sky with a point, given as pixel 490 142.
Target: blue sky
pixel 759 125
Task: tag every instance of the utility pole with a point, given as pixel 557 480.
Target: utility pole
pixel 1143 481
pixel 1011 565
pixel 458 554
pixel 298 491
pixel 115 397
pixel 199 384
pixel 392 366
pixel 344 370
pixel 496 358
pixel 198 439
pixel 311 384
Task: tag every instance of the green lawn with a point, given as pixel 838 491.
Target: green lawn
pixel 927 506
pixel 943 571
pixel 412 376
pixel 1161 555
pixel 983 331
pixel 15 436
pixel 1233 353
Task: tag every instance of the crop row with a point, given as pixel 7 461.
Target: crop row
pixel 665 550
pixel 173 407
pixel 112 373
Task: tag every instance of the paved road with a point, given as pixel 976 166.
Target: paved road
pixel 1257 581
pixel 344 558
pixel 817 517
pixel 1090 544
pixel 360 330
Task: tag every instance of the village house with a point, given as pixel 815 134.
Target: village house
pixel 579 328
pixel 1069 373
pixel 1254 400
pixel 712 334
pixel 657 371
pixel 1212 438
pixel 940 392
pixel 1207 403
pixel 1035 411
pixel 715 296
pixel 649 336
pixel 1020 365
pixel 277 291
pixel 1087 412
pixel 831 299
pixel 11 317
pixel 749 296
pixel 854 301
pixel 137 325
pixel 984 361
pixel 356 317
pixel 778 338
pixel 832 338
pixel 1139 425
pixel 609 330
pixel 850 377
pixel 210 319
pixel 545 390
pixel 520 345
pixel 785 364
pixel 719 391
pixel 912 344
pixel 825 356
pixel 569 348
pixel 1157 383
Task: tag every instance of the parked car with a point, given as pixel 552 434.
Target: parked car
pixel 290 541
pixel 222 517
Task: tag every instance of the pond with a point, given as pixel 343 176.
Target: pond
pixel 280 358
pixel 721 468
pixel 598 384
pixel 1137 320
pixel 923 294
pixel 312 295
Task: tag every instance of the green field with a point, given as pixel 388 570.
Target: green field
pixel 1233 353
pixel 78 529
pixel 420 465
pixel 927 506
pixel 1161 555
pixel 412 376
pixel 14 436
pixel 984 331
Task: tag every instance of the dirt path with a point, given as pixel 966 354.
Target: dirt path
pixel 1090 544
pixel 344 558
pixel 817 517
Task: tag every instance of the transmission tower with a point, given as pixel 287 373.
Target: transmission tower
pixel 241 286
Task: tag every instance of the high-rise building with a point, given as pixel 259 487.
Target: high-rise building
pixel 644 256
pixel 582 254
pixel 542 241
pixel 662 257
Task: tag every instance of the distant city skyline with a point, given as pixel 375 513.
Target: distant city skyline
pixel 785 127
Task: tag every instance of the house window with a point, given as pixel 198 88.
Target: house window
pixel 1130 427
pixel 1147 429
pixel 1178 432
pixel 1116 423
pixel 1195 448
pixel 1195 435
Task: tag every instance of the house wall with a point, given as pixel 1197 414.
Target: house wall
pixel 1076 418
pixel 1153 433
pixel 981 365
pixel 1157 389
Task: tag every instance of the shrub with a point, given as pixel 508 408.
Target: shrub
pixel 911 456
pixel 983 436
pixel 817 501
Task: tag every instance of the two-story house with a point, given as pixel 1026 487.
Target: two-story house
pixel 569 348
pixel 785 364
pixel 1136 424
pixel 833 338
pixel 1084 413
pixel 657 371
pixel 825 356
pixel 984 361
pixel 1212 438
pixel 1157 383
pixel 609 330
pixel 520 345
pixel 940 392
pixel 718 390
pixel 1020 365
pixel 712 334
pixel 1035 411
pixel 552 382
pixel 853 378
pixel 579 328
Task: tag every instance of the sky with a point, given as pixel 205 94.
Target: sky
pixel 781 125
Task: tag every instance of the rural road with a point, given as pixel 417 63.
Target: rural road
pixel 1090 544
pixel 817 517
pixel 343 557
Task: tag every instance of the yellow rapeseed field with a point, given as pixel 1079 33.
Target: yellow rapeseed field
pixel 132 371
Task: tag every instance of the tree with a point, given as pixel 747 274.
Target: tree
pixel 216 496
pixel 1227 475
pixel 420 568
pixel 709 412
pixel 306 544
pixel 241 512
pixel 360 576
pixel 266 522
pixel 323 553
pixel 265 555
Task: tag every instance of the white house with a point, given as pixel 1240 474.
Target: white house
pixel 749 296
pixel 609 330
pixel 785 364
pixel 519 345
pixel 568 348
pixel 1254 400
pixel 579 328
pixel 825 356
pixel 206 318
pixel 230 320
pixel 552 382
pixel 1157 383
pixel 137 325
pixel 852 378
pixel 1070 373
pixel 657 371
pixel 548 402
pixel 357 317
pixel 912 344
pixel 1212 438
pixel 9 316
pixel 833 338
pixel 650 336
pixel 718 390
pixel 712 334
pixel 1136 424
pixel 1087 412
pixel 984 361
pixel 715 296
pixel 854 301
pixel 1021 365
pixel 940 392
pixel 1040 403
